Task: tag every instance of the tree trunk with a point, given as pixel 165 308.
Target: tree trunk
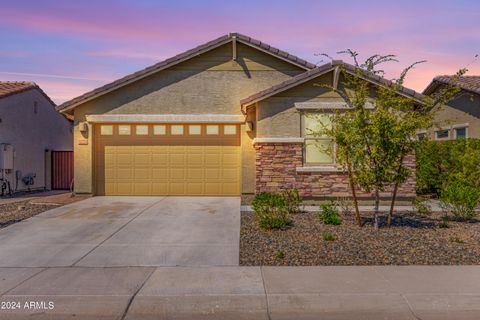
pixel 394 195
pixel 392 205
pixel 376 210
pixel 358 218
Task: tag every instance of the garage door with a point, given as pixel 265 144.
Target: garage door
pixel 167 159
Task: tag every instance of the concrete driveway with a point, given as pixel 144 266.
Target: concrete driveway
pixel 127 231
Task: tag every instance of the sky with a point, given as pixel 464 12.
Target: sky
pixel 71 47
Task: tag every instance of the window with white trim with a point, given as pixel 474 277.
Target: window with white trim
pixel 461 133
pixel 442 134
pixel 319 148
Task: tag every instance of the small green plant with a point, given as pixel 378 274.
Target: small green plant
pixel 328 236
pixel 421 206
pixel 271 210
pixel 460 199
pixel 456 240
pixel 443 224
pixel 294 201
pixel 329 213
pixel 280 254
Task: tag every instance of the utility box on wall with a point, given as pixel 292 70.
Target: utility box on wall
pixel 6 156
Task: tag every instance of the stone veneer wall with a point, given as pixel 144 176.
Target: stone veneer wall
pixel 276 165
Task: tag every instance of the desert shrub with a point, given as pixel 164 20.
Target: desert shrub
pixel 280 254
pixel 443 224
pixel 329 213
pixel 328 236
pixel 460 199
pixel 294 201
pixel 438 161
pixel 271 210
pixel 345 205
pixel 421 206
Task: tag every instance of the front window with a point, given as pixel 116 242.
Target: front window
pixel 421 136
pixel 460 133
pixel 442 134
pixel 319 148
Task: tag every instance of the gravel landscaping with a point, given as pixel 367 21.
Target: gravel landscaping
pixel 17 211
pixel 412 240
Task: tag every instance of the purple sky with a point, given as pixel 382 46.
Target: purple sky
pixel 70 47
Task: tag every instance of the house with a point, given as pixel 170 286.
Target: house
pixel 224 118
pixel 31 130
pixel 460 118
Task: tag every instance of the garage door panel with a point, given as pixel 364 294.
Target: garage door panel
pixel 164 165
pixel 195 173
pixel 142 158
pixel 142 188
pixel 177 174
pixel 142 173
pixel 160 173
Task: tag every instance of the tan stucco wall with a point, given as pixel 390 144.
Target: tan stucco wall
pixel 31 134
pixel 277 115
pixel 464 109
pixel 211 83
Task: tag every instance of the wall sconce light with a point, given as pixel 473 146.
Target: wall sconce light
pixel 249 126
pixel 83 127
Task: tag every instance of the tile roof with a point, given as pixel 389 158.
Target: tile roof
pixel 311 74
pixel 468 83
pixel 8 88
pixel 182 57
pixel 12 87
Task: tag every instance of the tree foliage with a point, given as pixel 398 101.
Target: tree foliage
pixel 378 129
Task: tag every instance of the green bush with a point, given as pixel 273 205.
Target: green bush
pixel 328 236
pixel 443 224
pixel 294 201
pixel 438 161
pixel 271 210
pixel 421 206
pixel 460 199
pixel 329 213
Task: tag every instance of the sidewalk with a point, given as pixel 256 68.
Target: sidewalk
pixel 339 292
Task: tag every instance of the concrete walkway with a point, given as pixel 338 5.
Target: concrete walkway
pixel 370 293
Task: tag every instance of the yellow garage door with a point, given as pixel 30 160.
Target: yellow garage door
pixel 167 159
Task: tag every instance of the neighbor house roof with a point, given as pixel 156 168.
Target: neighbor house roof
pixel 320 70
pixel 11 87
pixel 468 83
pixel 8 88
pixel 182 57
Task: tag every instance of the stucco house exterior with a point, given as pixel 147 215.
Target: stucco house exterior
pixel 30 130
pixel 460 118
pixel 224 118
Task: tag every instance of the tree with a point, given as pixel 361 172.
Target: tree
pixel 373 142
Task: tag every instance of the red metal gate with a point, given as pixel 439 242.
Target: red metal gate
pixel 62 170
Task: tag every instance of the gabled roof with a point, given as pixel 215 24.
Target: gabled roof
pixel 467 83
pixel 323 69
pixel 8 88
pixel 182 57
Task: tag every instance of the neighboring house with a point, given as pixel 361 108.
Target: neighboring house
pixel 460 118
pixel 224 118
pixel 30 130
